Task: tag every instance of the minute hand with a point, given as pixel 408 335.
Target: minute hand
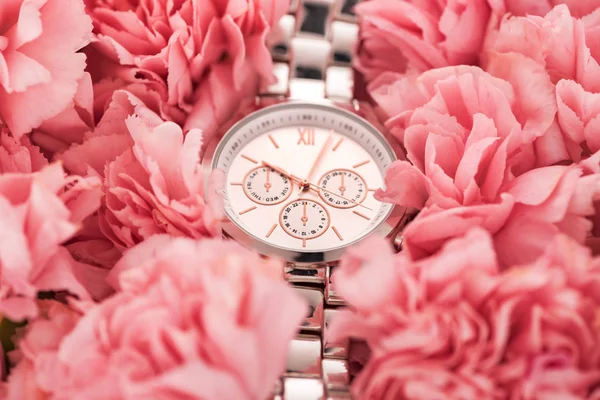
pixel 311 186
pixel 319 157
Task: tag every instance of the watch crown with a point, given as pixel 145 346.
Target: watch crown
pixel 397 242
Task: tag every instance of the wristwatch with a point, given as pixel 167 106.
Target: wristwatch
pixel 301 169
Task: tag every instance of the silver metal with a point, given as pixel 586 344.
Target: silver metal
pixel 304 356
pixel 294 273
pixel 306 89
pixel 280 88
pixel 315 369
pixel 331 296
pixel 335 375
pixel 312 64
pixel 333 350
pixel 303 388
pixel 277 391
pixel 315 37
pixel 344 36
pixel 339 83
pixel 344 11
pixel 314 298
pixel 338 396
pixel 397 242
pixel 315 64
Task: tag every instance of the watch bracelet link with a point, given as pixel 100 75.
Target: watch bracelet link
pixel 315 368
pixel 312 60
pixel 313 51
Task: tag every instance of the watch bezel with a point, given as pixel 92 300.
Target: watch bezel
pixel 390 227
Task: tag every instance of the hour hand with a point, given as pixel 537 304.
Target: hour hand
pixel 283 172
pixel 342 187
pixel 268 180
pixel 276 169
pixel 304 217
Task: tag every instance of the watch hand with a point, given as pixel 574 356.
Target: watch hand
pixel 318 189
pixel 319 157
pixel 310 186
pixel 268 182
pixel 342 187
pixel 304 217
pixel 283 172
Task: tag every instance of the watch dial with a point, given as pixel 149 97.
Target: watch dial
pixel 301 176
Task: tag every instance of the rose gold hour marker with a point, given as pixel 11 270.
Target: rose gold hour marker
pixel 271 230
pixel 360 214
pixel 303 242
pixel 252 160
pixel 360 164
pixel 338 144
pixel 273 141
pixel 236 184
pixel 247 210
pixel 337 233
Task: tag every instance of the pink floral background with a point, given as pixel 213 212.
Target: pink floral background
pixel 116 284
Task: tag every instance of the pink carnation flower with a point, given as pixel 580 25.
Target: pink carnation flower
pixel 419 35
pixel 110 136
pixel 564 50
pixel 68 127
pixel 39 60
pixel 545 329
pixel 157 186
pixel 470 139
pixel 202 63
pixel 531 210
pixel 579 120
pixel 450 101
pixel 577 8
pixel 192 320
pixel 549 201
pixel 37 344
pixel 92 100
pixel 96 253
pixel 19 155
pixel 166 197
pixel 454 326
pixel 424 331
pixel 153 179
pixel 464 131
pixel 565 46
pixel 40 212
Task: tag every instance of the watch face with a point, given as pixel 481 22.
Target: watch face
pixel 301 177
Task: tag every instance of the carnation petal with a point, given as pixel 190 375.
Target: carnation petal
pixel 405 186
pixel 535 104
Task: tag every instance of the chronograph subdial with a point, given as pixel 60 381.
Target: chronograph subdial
pixel 304 219
pixel 264 186
pixel 343 188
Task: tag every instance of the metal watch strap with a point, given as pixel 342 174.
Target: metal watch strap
pixel 312 61
pixel 312 58
pixel 316 369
